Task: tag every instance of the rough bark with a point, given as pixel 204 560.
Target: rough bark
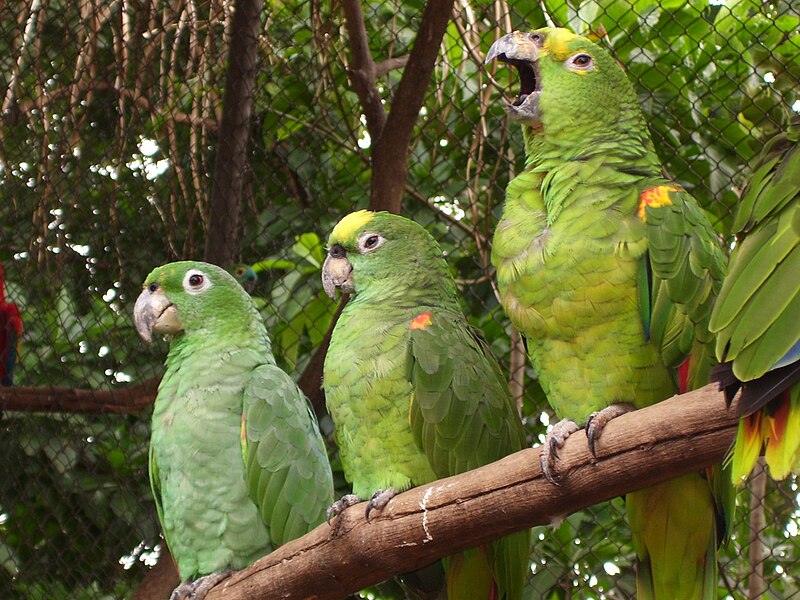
pixel 70 400
pixel 638 449
pixel 222 237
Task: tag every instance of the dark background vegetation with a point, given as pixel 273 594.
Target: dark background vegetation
pixel 117 154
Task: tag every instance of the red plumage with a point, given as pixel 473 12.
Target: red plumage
pixel 10 334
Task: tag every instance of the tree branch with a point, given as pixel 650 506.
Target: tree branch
pixel 362 72
pixel 222 241
pixel 395 62
pixel 390 150
pixel 70 400
pixel 679 435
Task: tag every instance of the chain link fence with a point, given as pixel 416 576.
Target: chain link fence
pixel 110 131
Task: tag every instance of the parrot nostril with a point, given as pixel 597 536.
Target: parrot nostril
pixel 336 251
pixel 153 287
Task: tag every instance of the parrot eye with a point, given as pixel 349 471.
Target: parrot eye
pixel 370 242
pixel 581 61
pixel 152 288
pixel 196 281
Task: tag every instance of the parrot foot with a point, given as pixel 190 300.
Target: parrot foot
pixel 553 442
pixel 380 499
pixel 598 421
pixel 198 588
pixel 337 508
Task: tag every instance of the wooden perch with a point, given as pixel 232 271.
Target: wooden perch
pixel 70 400
pixel 679 435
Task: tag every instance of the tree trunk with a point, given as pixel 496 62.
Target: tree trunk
pixel 222 237
pixel 390 150
pixel 391 135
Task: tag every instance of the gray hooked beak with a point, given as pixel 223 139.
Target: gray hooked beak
pixel 154 313
pixel 337 272
pixel 516 45
pixel 521 51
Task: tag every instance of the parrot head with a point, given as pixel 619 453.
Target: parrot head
pixel 382 254
pixel 189 296
pixel 245 276
pixel 566 81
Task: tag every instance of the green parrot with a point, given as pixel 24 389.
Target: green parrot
pixel 245 276
pixel 237 464
pixel 610 272
pixel 414 392
pixel 757 314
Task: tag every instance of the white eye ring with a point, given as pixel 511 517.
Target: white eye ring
pixel 588 66
pixel 369 242
pixel 195 281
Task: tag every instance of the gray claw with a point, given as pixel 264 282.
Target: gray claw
pixel 335 509
pixel 553 442
pixel 379 499
pixel 199 588
pixel 598 420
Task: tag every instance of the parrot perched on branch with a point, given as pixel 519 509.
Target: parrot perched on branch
pixel 757 314
pixel 10 335
pixel 610 272
pixel 414 392
pixel 237 464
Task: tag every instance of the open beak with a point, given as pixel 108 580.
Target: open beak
pixel 154 313
pixel 337 273
pixel 521 51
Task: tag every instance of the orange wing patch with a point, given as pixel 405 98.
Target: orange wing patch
pixel 421 321
pixel 655 197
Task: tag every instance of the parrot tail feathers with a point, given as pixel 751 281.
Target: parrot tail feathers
pixel 728 383
pixel 761 391
pixel 746 448
pixel 758 392
pixel 674 531
pixel 469 575
pixel 510 556
pixel 776 429
pixel 782 432
pixel 646 587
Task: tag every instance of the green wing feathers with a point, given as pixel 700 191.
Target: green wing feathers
pixel 286 465
pixel 463 417
pixel 462 413
pixel 757 315
pixel 687 266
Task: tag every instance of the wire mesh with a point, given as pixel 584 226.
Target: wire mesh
pixel 110 123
